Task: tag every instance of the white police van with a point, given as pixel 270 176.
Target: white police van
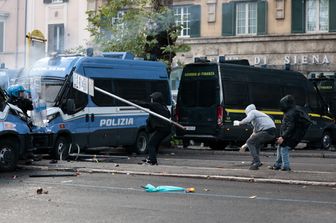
pixel 82 121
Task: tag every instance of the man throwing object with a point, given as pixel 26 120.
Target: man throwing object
pixel 264 131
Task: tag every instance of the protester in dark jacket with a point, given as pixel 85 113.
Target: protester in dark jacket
pixel 290 134
pixel 158 127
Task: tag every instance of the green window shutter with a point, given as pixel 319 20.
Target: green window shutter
pixel 228 19
pixel 262 18
pixel 332 16
pixel 195 21
pixel 298 16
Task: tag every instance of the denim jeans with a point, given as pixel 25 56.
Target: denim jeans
pixel 282 157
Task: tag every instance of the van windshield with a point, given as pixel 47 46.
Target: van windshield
pixel 199 85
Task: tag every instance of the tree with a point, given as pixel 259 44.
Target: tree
pixel 144 27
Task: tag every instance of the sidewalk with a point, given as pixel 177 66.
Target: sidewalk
pixel 169 168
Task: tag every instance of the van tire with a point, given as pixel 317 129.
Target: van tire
pixel 140 145
pixel 61 148
pixel 326 140
pixel 9 154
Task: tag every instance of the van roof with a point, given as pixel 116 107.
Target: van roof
pixel 231 66
pixel 122 68
pixel 59 67
pixel 53 67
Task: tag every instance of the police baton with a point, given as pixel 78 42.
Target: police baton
pixel 139 107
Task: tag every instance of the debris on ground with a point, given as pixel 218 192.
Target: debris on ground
pixel 41 191
pixel 151 188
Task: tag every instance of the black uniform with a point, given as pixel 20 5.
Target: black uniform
pixel 158 128
pixel 23 103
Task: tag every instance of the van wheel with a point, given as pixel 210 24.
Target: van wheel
pixel 140 146
pixel 326 141
pixel 61 148
pixel 9 154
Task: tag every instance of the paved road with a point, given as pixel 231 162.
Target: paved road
pixel 309 167
pixel 119 198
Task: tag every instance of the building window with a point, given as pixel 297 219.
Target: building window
pixel 2 35
pixel 246 18
pixel 317 15
pixel 55 38
pixel 54 1
pixel 182 18
pixel 189 19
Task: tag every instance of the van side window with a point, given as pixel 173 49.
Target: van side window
pixel 99 98
pixel 236 93
pixel 163 87
pixel 140 89
pixel 128 89
pixel 80 98
pixel 261 99
pixel 298 92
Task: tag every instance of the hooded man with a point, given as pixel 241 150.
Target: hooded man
pixel 263 132
pixel 158 127
pixel 290 134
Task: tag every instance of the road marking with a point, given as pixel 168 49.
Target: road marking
pixel 191 194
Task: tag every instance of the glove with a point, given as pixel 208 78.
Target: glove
pixel 236 123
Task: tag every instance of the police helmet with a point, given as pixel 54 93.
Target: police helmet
pixel 14 91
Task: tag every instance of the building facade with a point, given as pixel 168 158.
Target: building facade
pixel 12 33
pixel 63 23
pixel 300 34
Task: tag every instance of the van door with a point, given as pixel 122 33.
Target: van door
pixel 76 120
pixel 103 118
pixel 199 98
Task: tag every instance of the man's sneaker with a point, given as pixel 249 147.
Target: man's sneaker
pixel 150 162
pixel 285 169
pixel 259 164
pixel 254 167
pixel 274 168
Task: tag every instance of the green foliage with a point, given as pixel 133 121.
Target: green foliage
pixel 137 30
pixel 76 50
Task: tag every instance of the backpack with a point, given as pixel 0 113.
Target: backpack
pixel 303 122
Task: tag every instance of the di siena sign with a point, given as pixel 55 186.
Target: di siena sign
pixel 293 59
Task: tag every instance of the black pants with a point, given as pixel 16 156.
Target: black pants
pixel 154 143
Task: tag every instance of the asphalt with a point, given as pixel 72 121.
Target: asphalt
pixel 230 171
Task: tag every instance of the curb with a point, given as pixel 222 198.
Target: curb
pixel 296 153
pixel 196 176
